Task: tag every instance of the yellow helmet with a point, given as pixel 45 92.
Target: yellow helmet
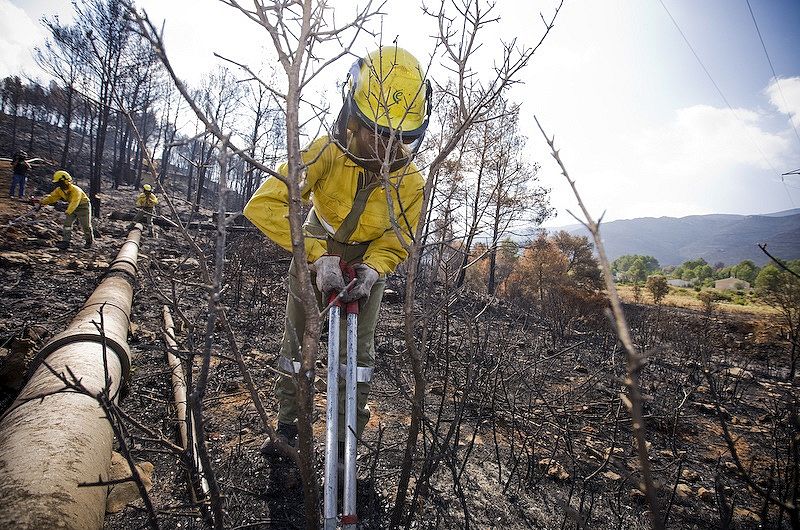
pixel 60 175
pixel 147 187
pixel 386 92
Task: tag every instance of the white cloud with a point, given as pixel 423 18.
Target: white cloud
pixel 18 35
pixel 703 160
pixel 706 159
pixel 712 141
pixel 785 95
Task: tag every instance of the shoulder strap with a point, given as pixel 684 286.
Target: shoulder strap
pixel 364 190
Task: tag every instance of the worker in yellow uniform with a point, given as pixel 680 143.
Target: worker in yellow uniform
pixel 383 119
pixel 78 207
pixel 145 207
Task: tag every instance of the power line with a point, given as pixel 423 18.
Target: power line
pixel 703 66
pixel 730 107
pixel 771 67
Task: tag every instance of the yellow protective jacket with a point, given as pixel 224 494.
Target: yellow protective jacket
pixel 74 196
pixel 147 201
pixel 331 182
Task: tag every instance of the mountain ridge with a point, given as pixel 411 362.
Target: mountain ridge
pixel 726 238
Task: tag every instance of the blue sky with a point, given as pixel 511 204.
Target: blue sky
pixel 723 31
pixel 641 128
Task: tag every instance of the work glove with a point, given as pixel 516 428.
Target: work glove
pixel 366 277
pixel 329 275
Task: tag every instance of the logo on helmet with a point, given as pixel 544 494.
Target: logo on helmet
pixel 397 96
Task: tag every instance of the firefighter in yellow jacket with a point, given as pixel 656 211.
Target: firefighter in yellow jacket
pixel 78 208
pixel 145 207
pixel 383 120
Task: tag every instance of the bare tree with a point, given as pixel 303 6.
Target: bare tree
pixel 144 75
pixel 473 98
pixel 104 24
pixel 515 195
pixel 219 97
pixel 633 400
pixel 61 58
pixel 264 141
pixel 296 31
pixel 13 92
pixel 169 130
pixel 480 144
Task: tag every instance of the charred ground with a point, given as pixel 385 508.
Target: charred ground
pixel 525 428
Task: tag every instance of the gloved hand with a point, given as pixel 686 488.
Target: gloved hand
pixel 329 275
pixel 366 277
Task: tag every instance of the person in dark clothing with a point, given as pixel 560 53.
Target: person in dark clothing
pixel 20 167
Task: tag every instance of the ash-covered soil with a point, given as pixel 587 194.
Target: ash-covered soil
pixel 524 427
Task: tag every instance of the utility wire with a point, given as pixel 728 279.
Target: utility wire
pixel 780 90
pixel 730 107
pixel 774 75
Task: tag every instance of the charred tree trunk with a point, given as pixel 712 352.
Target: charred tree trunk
pixel 67 127
pixel 462 271
pixel 32 131
pixel 92 136
pixel 190 179
pixel 121 166
pixel 14 121
pixel 97 159
pixel 145 156
pixel 493 250
pixel 86 125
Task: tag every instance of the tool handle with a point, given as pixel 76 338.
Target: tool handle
pixel 349 274
pixel 352 307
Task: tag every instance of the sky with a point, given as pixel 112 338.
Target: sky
pixel 643 128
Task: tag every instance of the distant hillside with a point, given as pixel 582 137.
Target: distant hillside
pixel 717 237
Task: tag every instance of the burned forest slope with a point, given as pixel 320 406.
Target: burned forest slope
pixel 524 426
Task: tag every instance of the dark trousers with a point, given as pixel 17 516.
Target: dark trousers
pixel 18 180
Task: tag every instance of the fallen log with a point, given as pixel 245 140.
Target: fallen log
pixel 185 423
pixel 193 225
pixel 53 438
pixel 158 220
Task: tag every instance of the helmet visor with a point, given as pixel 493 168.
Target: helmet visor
pixel 373 146
pixel 400 130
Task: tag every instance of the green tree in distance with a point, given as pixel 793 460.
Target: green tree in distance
pixel 781 290
pixel 635 268
pixel 746 270
pixel 695 271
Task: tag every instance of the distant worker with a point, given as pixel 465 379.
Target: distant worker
pixel 145 207
pixel 383 120
pixel 78 207
pixel 20 167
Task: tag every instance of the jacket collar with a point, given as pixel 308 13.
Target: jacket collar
pixel 348 162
